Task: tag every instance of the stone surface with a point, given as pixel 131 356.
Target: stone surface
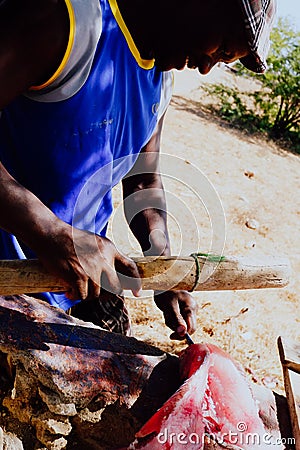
pixel 55 404
pixel 252 224
pixel 79 386
pixel 64 366
pixel 9 441
pixel 54 425
pixel 72 358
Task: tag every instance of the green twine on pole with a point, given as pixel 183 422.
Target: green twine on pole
pixel 210 257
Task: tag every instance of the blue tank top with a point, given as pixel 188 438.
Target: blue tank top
pixel 71 153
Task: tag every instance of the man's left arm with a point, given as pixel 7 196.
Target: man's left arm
pixel 145 212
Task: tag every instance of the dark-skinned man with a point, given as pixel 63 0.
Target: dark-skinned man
pixel 84 87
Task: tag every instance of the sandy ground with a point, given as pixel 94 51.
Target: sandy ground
pixel 217 179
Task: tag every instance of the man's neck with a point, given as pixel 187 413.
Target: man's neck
pixel 137 17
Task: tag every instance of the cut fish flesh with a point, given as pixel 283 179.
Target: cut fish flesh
pixel 214 403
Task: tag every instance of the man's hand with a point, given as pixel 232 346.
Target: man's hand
pixel 87 262
pixel 82 260
pixel 179 309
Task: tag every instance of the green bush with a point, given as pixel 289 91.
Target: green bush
pixel 275 106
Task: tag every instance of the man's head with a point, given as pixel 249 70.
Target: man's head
pixel 201 33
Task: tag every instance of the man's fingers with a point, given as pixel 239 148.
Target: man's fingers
pixel 168 303
pixel 84 290
pixel 175 337
pixel 188 308
pixel 110 281
pixel 191 323
pixel 179 310
pixel 94 289
pixel 128 274
pixel 78 290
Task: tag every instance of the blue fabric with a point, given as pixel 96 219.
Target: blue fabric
pixel 71 153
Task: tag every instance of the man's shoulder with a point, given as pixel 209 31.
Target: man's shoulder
pixel 85 30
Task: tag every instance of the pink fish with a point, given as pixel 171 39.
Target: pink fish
pixel 214 402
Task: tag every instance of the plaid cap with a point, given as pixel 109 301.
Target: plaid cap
pixel 259 17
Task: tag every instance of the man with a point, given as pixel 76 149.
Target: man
pixel 84 86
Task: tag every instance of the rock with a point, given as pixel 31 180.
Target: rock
pixel 54 425
pixel 8 441
pixel 60 443
pixel 249 173
pixel 50 430
pixel 54 403
pixel 68 356
pixel 20 401
pixel 252 224
pixel 63 365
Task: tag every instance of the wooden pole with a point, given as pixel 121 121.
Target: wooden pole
pixel 199 273
pixel 289 353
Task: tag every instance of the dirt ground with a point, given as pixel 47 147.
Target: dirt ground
pixel 218 182
pixel 252 182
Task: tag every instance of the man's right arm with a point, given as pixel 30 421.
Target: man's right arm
pixel 28 53
pixel 24 29
pixel 81 259
pixel 25 216
pixel 33 39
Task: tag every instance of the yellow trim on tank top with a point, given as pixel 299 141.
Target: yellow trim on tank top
pixel 68 50
pixel 143 63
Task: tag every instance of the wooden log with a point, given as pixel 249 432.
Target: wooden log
pixel 289 353
pixel 199 273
